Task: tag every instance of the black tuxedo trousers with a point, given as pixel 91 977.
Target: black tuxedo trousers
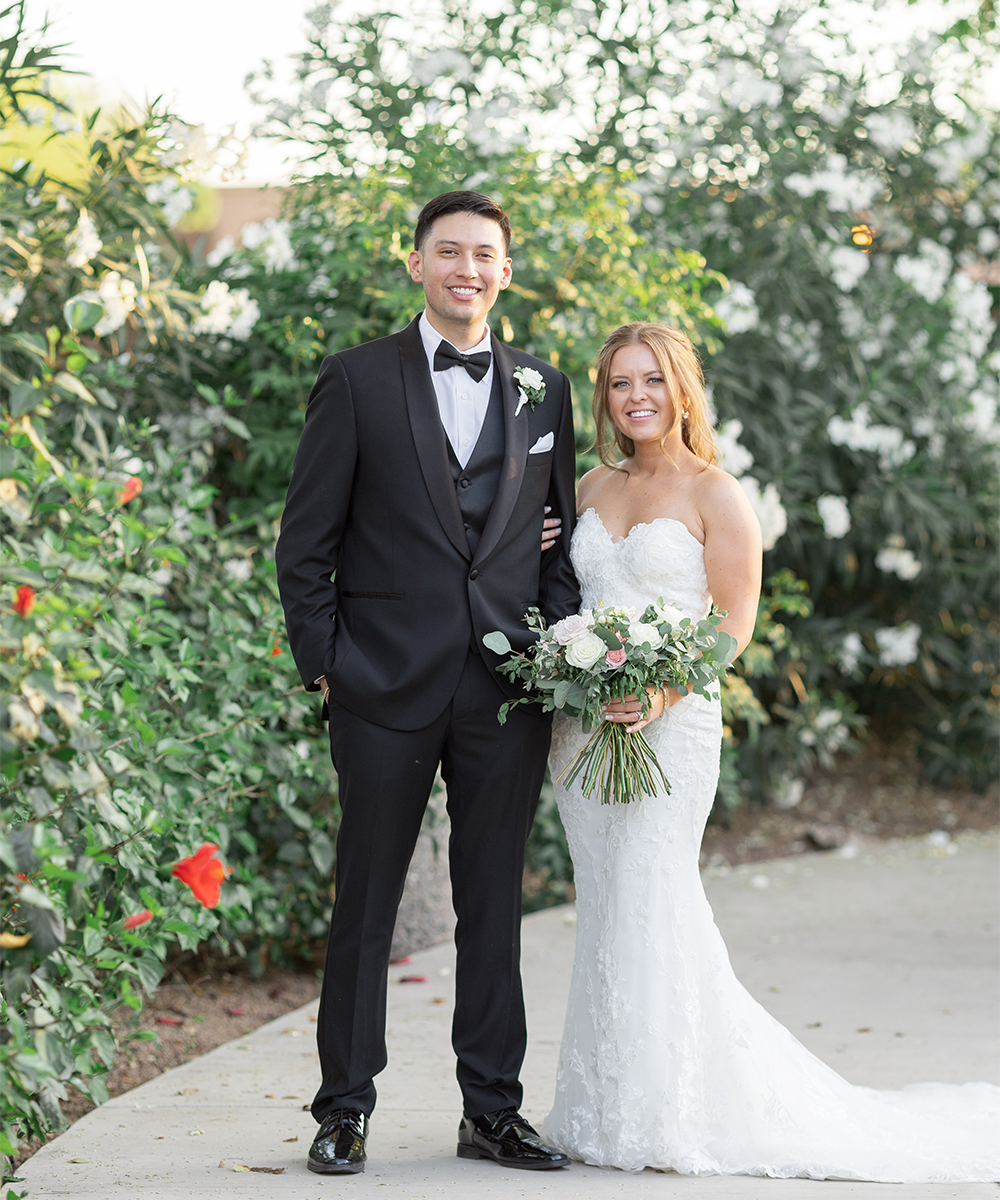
pixel 418 581
pixel 493 775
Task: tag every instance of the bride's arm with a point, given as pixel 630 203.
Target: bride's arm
pixel 732 554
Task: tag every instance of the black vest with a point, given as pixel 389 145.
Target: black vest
pixel 476 483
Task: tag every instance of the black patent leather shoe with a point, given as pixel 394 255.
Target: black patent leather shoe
pixel 339 1147
pixel 508 1139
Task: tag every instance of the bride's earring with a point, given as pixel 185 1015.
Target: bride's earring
pixel 684 415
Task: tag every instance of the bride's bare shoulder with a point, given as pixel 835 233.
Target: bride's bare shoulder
pixel 720 495
pixel 590 486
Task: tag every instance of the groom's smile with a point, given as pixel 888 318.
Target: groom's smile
pixel 463 266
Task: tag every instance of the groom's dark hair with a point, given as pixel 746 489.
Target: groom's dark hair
pixel 452 202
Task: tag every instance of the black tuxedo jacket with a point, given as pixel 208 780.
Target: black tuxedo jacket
pixel 372 499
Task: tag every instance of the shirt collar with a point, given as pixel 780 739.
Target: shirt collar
pixel 432 339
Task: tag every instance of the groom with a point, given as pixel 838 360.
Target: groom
pixel 420 482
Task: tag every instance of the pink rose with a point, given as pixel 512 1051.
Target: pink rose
pixel 615 658
pixel 569 629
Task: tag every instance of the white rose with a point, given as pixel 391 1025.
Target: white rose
pixel 667 612
pixel 569 629
pixel 530 377
pixel 585 651
pixel 639 634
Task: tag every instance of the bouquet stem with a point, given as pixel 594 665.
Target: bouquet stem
pixel 621 766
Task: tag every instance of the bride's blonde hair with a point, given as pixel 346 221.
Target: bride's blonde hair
pixel 678 360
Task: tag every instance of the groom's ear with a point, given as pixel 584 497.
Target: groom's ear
pixel 414 264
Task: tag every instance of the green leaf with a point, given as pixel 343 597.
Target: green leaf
pixel 150 971
pixel 497 642
pixel 81 315
pixel 24 397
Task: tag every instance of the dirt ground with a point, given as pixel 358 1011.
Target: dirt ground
pixel 873 796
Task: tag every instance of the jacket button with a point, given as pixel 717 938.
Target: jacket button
pixel 473 575
pixel 466 483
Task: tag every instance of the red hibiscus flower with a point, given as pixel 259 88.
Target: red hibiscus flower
pixel 615 658
pixel 139 918
pixel 24 600
pixel 276 649
pixel 203 874
pixel 132 488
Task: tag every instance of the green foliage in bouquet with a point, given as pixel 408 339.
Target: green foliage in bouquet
pixel 584 662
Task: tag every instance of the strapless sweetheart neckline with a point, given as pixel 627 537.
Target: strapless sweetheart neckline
pixel 622 538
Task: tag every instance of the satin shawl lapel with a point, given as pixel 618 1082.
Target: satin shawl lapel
pixel 429 436
pixel 516 453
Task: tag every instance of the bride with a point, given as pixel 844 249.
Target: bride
pixel 666 1060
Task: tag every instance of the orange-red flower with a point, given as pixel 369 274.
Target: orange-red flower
pixel 276 649
pixel 139 918
pixel 132 488
pixel 24 600
pixel 203 874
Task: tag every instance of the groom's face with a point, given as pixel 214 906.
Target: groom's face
pixel 463 267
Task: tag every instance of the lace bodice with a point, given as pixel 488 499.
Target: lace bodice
pixel 661 558
pixel 667 1061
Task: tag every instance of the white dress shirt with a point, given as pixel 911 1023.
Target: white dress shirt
pixel 462 402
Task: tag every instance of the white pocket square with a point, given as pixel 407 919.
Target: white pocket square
pixel 543 444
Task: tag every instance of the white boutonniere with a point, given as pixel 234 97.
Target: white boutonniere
pixel 530 388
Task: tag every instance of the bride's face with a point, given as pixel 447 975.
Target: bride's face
pixel 638 396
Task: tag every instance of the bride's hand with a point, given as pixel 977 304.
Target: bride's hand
pixel 630 709
pixel 551 528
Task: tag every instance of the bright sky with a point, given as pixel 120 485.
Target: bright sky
pixel 197 53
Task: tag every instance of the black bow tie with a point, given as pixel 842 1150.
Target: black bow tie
pixel 446 356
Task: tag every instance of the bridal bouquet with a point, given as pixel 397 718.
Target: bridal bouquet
pixel 583 662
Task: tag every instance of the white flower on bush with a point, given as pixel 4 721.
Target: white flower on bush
pixel 897 645
pixel 83 241
pixel 846 191
pixel 226 311
pixel 929 271
pixel 737 309
pixel 639 634
pixel 858 433
pixel 971 319
pixel 848 265
pixel 585 651
pixel 446 61
pixel 768 507
pixel 849 653
pixel 238 569
pixel 172 196
pixel 889 131
pixel 789 792
pixel 981 417
pixel 10 302
pixel 272 237
pixel 221 251
pixel 736 458
pixel 162 575
pixel 895 559
pixel 835 515
pixel 116 296
pixel 799 341
pixel 569 629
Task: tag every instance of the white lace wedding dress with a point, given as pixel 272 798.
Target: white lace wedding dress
pixel 666 1060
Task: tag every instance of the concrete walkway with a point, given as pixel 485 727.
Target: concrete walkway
pixel 884 964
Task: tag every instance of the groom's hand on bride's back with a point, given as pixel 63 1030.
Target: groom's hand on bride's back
pixel 551 528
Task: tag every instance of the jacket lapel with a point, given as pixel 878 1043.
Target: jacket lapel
pixel 429 436
pixel 516 454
